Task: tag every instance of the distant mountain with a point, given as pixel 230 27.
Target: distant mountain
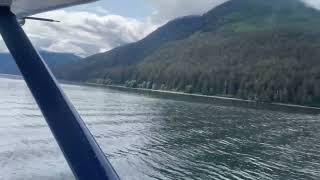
pixel 54 61
pixel 252 49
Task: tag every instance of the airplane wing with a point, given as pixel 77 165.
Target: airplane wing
pixel 23 8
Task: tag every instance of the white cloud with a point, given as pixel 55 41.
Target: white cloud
pixel 170 9
pixel 85 33
pixel 101 10
pixel 313 3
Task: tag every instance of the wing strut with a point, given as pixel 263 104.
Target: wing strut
pixel 80 149
pixel 40 19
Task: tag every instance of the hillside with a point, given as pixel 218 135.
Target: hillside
pixel 124 56
pixel 253 49
pixel 54 61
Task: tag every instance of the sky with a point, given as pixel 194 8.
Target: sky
pixel 98 27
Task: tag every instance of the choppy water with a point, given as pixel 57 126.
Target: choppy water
pixel 150 138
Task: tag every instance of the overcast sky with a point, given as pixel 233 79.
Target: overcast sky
pixel 103 25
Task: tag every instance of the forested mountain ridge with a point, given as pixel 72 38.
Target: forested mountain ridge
pixel 252 49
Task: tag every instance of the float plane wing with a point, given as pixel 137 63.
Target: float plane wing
pixel 24 8
pixel 83 154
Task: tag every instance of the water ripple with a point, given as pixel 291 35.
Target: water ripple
pixel 150 138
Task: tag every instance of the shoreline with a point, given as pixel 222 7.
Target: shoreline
pixel 219 100
pixel 197 98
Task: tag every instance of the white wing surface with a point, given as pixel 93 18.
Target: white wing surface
pixel 23 8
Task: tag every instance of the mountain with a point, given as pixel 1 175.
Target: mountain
pixel 133 53
pixel 54 61
pixel 252 49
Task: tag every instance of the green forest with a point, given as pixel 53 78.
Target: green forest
pixel 273 67
pixel 256 50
